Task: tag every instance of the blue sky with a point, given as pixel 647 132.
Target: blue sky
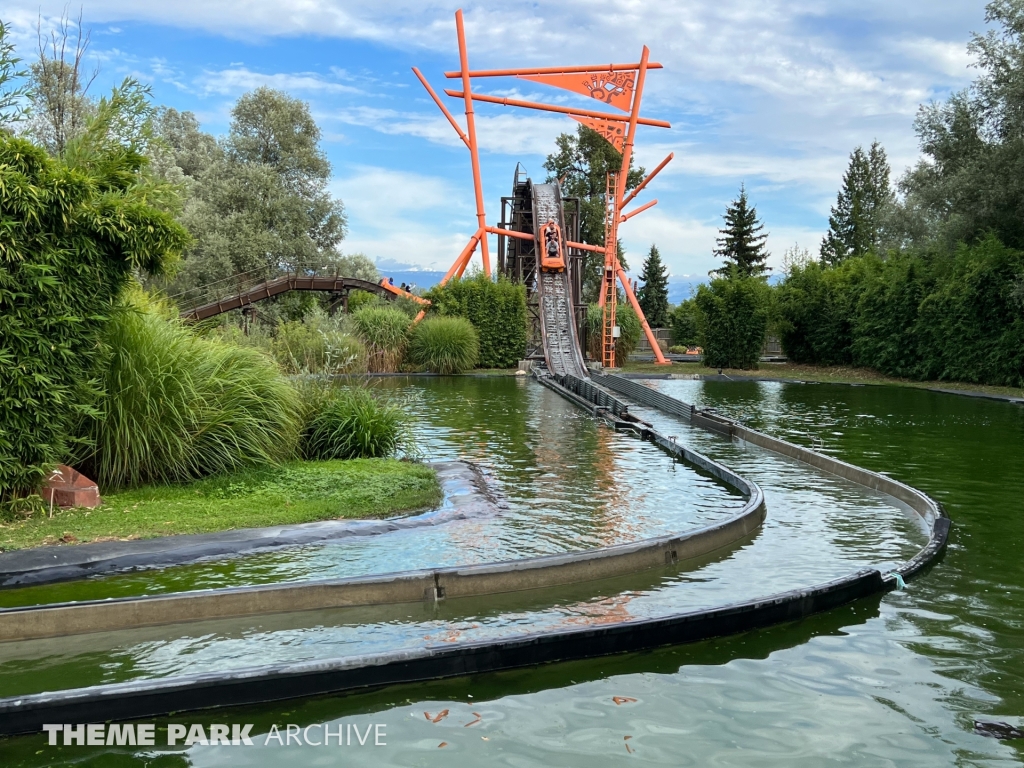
pixel 773 95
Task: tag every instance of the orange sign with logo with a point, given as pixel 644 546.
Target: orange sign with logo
pixel 614 88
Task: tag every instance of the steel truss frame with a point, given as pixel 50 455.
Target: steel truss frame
pixel 614 84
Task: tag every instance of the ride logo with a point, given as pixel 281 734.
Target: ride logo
pixel 214 734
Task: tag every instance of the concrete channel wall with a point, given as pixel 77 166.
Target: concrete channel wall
pixel 55 620
pixel 929 509
pixel 148 698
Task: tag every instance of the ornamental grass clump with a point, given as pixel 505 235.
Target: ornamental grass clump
pixel 177 406
pixel 384 331
pixel 351 423
pixel 445 345
pixel 316 345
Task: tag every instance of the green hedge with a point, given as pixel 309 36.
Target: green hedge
pixel 685 322
pixel 953 318
pixel 69 240
pixel 733 315
pixel 497 309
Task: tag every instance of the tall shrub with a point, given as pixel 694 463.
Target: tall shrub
pixel 816 309
pixel 497 309
pixel 178 406
pixel 937 317
pixel 971 326
pixel 69 239
pixel 684 322
pixel 734 315
pixel 445 345
pixel 385 332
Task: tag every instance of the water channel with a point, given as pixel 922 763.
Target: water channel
pixel 890 681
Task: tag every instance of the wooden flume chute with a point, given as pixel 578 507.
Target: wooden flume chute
pixel 616 85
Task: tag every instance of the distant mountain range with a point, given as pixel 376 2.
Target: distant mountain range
pixel 680 287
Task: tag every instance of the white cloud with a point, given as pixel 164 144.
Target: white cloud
pixel 409 217
pixel 239 79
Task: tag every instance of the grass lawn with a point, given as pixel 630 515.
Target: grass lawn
pixel 298 492
pixel 835 375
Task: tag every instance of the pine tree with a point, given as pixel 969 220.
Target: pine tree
pixel 855 223
pixel 742 245
pixel 653 294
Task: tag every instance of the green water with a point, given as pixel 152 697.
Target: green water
pixel 891 681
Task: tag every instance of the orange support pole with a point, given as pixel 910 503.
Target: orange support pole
pixel 641 209
pixel 553 108
pixel 440 104
pixel 552 70
pixel 585 247
pixel 473 149
pixel 464 257
pixel 511 233
pixel 659 359
pixel 650 176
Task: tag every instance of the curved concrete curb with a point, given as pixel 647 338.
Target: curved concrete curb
pixel 925 506
pixel 62 619
pixel 466 495
pixel 782 380
pixel 148 698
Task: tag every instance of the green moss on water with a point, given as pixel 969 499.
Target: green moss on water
pixel 297 492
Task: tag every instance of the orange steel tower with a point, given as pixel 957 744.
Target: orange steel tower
pixel 617 85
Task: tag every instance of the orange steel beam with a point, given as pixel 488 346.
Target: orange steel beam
pixel 552 108
pixel 473 149
pixel 552 70
pixel 509 233
pixel 586 246
pixel 641 209
pixel 399 292
pixel 658 357
pixel 443 108
pixel 466 255
pixel 650 176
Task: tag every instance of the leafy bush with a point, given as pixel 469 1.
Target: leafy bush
pixel 70 238
pixel 445 345
pixel 971 325
pixel 817 307
pixel 178 406
pixel 733 321
pixel 385 332
pixel 922 317
pixel 362 299
pixel 351 423
pixel 497 309
pixel 685 325
pixel 629 331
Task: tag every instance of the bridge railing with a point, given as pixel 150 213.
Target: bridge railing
pixel 243 282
